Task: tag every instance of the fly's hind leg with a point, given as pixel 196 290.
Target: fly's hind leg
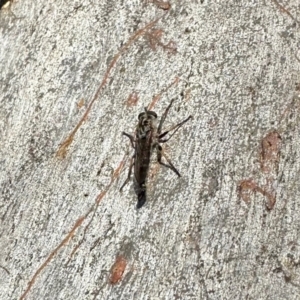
pixel 129 173
pixel 169 165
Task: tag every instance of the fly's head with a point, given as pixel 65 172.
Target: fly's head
pixel 147 122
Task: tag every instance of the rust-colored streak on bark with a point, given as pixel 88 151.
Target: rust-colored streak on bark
pixel 270 150
pixel 100 196
pixel 154 37
pixel 154 101
pixel 249 185
pixel 283 9
pixel 269 159
pixel 62 151
pixel 244 187
pixel 157 97
pixel 117 270
pixel 91 210
pixel 118 170
pixel 50 257
pixel 161 4
pixel 132 99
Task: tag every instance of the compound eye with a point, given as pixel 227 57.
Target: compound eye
pixel 141 115
pixel 152 113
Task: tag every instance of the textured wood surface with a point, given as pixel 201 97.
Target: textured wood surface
pixel 74 75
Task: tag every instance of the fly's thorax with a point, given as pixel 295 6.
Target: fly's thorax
pixel 147 123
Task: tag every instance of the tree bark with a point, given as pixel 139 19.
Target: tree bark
pixel 75 75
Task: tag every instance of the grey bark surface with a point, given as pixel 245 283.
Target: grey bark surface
pixel 206 235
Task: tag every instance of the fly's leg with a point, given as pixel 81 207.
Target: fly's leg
pixel 129 173
pixel 130 137
pixel 169 165
pixel 175 128
pixel 163 117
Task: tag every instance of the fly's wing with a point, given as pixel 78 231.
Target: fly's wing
pixel 141 166
pixel 142 157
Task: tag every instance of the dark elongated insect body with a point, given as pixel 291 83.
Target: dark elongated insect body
pixel 147 138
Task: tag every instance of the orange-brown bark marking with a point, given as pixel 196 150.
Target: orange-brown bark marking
pixel 161 4
pixel 244 187
pixel 283 9
pixel 154 37
pixel 117 270
pixel 270 148
pixel 132 99
pixel 249 185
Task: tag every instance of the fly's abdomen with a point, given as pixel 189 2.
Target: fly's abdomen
pixel 140 174
pixel 140 190
pixel 142 161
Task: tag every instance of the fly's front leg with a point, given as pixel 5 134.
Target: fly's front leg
pixel 169 165
pixel 129 173
pixel 130 137
pixel 175 128
pixel 163 117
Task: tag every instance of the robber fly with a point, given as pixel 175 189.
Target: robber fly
pixel 147 138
